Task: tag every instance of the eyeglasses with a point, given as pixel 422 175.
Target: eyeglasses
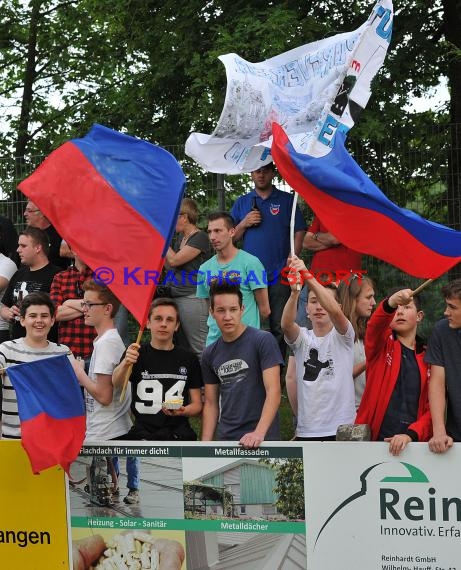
pixel 88 305
pixel 29 211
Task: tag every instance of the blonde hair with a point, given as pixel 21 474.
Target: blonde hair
pixel 190 208
pixel 348 294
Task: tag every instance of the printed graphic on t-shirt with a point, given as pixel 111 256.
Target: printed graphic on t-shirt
pixel 89 403
pixel 275 209
pixel 154 389
pixel 23 288
pixel 232 371
pixel 313 366
pixel 20 292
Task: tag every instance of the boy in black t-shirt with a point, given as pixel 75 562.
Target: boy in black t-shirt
pixel 35 274
pixel 165 380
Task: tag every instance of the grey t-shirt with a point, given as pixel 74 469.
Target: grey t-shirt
pixel 238 367
pixel 183 279
pixel 444 349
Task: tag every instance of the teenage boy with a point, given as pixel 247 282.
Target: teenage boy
pixel 106 417
pixel 233 265
pixel 395 401
pixel 241 372
pixel 35 274
pixel 161 372
pixel 324 358
pixel 37 318
pixel 444 356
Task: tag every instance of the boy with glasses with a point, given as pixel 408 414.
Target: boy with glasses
pixel 106 417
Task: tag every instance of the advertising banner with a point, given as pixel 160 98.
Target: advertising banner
pixel 382 512
pixel 314 506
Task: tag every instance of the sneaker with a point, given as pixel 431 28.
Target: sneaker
pixel 132 498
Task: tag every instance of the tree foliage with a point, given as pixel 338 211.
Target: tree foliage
pixel 289 486
pixel 152 69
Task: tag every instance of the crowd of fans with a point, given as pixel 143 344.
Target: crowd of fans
pixel 218 345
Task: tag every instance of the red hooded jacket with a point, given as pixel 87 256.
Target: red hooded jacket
pixel 383 356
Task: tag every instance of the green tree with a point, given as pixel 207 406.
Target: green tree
pixel 152 69
pixel 289 486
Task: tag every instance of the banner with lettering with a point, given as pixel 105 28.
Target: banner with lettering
pixel 220 506
pixel 34 516
pixel 311 91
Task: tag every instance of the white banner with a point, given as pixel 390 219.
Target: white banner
pixel 367 510
pixel 311 91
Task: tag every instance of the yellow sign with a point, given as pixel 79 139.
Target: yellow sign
pixel 33 513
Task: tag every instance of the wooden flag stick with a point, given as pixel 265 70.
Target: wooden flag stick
pixel 130 368
pixel 422 286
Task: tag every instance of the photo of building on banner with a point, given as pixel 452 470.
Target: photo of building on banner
pixel 196 504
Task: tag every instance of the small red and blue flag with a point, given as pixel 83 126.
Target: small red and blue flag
pixel 115 200
pixel 51 411
pixel 360 216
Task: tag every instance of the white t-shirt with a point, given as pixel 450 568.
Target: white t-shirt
pixel 107 422
pixel 7 270
pixel 324 381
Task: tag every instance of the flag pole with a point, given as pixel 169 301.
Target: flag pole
pixel 421 287
pixel 292 229
pixel 130 367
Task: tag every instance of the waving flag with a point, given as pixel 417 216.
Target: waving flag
pixel 352 207
pixel 311 90
pixel 115 200
pixel 51 411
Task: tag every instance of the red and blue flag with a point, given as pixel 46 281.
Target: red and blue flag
pixel 115 200
pixel 360 216
pixel 51 411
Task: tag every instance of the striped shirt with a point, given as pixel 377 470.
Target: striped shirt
pixel 14 352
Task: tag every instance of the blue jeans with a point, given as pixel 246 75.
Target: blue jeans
pixel 132 470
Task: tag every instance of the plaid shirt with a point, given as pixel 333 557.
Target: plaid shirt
pixel 75 334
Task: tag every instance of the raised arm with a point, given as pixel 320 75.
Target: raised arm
pixel 288 322
pixel 328 302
